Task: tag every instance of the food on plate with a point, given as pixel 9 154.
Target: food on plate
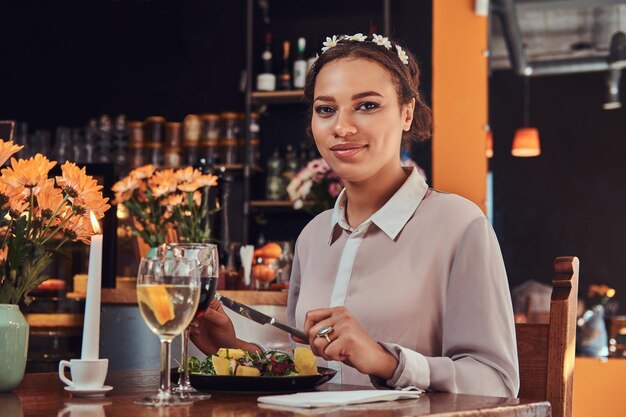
pixel 305 361
pixel 241 363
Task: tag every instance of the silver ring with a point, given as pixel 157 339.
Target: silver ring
pixel 324 332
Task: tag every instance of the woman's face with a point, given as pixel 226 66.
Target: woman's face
pixel 357 122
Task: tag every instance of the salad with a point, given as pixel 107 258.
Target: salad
pixel 238 362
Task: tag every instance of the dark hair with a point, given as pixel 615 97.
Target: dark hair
pixel 405 78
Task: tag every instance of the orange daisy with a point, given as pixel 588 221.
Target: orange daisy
pixel 140 173
pixel 188 174
pixel 27 173
pixel 78 228
pixel 124 189
pixel 4 252
pixel 207 180
pixel 49 200
pixel 7 149
pixel 188 187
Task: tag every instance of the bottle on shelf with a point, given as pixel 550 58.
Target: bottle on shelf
pixel 284 79
pixel 191 139
pixel 255 143
pixel 63 145
pixel 209 137
pixel 120 143
pixel 300 65
pixel 172 151
pixel 291 164
pixel 91 133
pixel 104 138
pixel 136 144
pixel 228 142
pixel 153 128
pixel 275 188
pixel 266 81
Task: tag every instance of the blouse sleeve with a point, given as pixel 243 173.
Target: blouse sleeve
pixel 294 288
pixel 479 350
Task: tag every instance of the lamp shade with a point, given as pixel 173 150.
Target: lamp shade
pixel 489 145
pixel 526 142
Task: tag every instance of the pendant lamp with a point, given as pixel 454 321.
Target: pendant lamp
pixel 526 140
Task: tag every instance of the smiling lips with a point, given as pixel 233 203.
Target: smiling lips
pixel 346 150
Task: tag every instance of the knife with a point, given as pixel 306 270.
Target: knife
pixel 258 317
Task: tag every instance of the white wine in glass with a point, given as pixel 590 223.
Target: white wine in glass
pixel 208 263
pixel 168 291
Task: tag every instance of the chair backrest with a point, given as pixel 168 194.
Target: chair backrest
pixel 547 351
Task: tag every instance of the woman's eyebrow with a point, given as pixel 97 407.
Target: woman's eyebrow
pixel 366 94
pixel 354 97
pixel 325 98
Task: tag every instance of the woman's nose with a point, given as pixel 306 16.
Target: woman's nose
pixel 344 125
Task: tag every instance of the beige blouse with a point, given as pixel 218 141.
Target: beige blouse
pixel 424 275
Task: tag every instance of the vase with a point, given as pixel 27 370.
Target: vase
pixel 13 346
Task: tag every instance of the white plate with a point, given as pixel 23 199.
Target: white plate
pixel 93 392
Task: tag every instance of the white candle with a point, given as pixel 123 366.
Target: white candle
pixel 91 324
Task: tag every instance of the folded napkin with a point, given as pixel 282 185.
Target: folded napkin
pixel 337 398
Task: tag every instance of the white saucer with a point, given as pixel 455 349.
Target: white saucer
pixel 93 392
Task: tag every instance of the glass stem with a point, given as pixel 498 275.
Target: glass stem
pixel 164 386
pixel 183 380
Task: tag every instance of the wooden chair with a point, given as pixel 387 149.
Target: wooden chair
pixel 547 351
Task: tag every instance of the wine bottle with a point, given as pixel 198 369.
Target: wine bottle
pixel 266 81
pixel 284 79
pixel 300 65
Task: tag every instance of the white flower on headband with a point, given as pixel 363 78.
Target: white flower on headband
pixel 381 40
pixel 330 43
pixel 358 37
pixel 402 55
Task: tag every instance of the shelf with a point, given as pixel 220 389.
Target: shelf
pixel 278 97
pixel 271 204
pixel 234 167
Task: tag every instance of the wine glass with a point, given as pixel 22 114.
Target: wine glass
pixel 168 292
pixel 208 264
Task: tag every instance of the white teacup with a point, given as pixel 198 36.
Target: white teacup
pixel 86 373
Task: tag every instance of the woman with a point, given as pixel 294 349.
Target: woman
pixel 399 284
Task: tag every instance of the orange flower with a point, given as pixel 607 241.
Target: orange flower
pixel 4 252
pixel 78 228
pixel 7 149
pixel 173 200
pixel 124 189
pixel 49 200
pixel 197 198
pixel 163 182
pixel 142 172
pixel 207 180
pixel 188 187
pixel 27 173
pixel 83 190
pixel 188 174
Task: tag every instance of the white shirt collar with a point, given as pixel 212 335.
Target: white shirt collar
pixel 393 216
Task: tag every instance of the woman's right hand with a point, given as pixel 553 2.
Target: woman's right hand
pixel 213 329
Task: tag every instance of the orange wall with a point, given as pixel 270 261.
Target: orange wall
pixel 599 388
pixel 459 99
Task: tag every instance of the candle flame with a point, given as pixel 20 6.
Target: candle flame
pixel 94 224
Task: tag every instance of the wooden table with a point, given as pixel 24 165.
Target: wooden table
pixel 43 395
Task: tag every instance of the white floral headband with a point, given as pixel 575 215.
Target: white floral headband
pixel 359 37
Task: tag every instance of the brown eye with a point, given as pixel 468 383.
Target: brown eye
pixel 324 110
pixel 368 105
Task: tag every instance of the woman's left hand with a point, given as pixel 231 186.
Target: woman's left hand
pixel 348 342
